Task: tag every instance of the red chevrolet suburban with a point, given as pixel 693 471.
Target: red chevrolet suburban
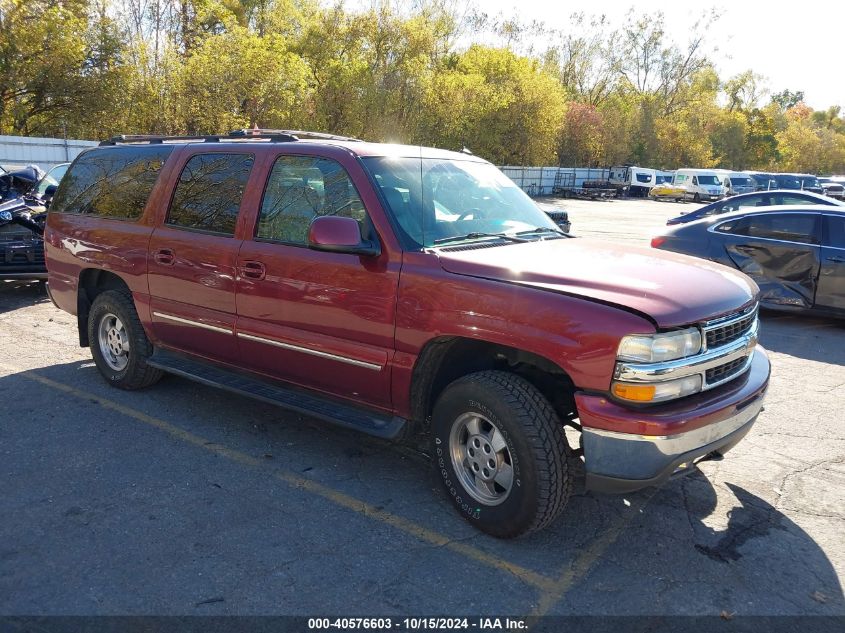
pixel 398 290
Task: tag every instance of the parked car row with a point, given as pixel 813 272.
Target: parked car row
pixel 703 185
pixel 833 186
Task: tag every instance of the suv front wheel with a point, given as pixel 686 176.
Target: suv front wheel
pixel 118 343
pixel 501 452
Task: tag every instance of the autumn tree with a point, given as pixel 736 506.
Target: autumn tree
pixel 501 106
pixel 406 71
pixel 58 65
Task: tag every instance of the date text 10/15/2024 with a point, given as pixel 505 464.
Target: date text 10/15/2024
pixel 418 624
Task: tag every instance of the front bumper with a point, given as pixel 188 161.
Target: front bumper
pixel 22 260
pixel 628 449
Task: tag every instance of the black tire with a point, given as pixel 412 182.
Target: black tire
pixel 535 442
pixel 696 198
pixel 136 374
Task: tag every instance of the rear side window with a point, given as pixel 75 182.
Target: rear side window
pixel 790 227
pixel 208 194
pixel 301 188
pixel 835 231
pixel 790 199
pixel 732 204
pixel 112 182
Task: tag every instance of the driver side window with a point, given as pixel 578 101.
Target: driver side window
pixel 301 188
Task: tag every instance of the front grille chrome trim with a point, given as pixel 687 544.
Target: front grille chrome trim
pixel 708 328
pixel 650 373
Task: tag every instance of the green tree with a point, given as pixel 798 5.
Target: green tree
pixel 58 60
pixel 501 106
pixel 239 79
pixel 787 99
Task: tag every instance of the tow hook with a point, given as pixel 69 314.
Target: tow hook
pixel 715 456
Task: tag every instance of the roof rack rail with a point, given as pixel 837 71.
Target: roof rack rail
pixel 158 138
pixel 295 134
pixel 278 136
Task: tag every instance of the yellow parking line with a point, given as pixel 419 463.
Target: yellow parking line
pixel 587 558
pixel 330 494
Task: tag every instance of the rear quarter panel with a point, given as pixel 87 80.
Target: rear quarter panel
pixel 76 242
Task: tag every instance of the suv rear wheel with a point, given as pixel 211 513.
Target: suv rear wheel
pixel 501 453
pixel 118 343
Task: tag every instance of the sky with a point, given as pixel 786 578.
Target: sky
pixel 796 46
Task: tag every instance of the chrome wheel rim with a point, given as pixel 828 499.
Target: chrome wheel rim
pixel 481 458
pixel 114 342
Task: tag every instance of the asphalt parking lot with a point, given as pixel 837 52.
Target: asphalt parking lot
pixel 185 500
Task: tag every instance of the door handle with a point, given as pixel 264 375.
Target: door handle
pixel 165 257
pixel 836 259
pixel 253 270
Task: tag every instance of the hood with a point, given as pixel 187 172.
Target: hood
pixel 673 290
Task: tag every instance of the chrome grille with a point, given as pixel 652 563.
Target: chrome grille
pixel 16 233
pixel 730 329
pixel 726 371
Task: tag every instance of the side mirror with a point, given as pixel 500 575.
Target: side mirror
pixel 339 235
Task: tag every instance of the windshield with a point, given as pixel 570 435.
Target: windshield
pixel 787 182
pixel 810 181
pixel 738 181
pixel 51 178
pixel 433 200
pixel 708 180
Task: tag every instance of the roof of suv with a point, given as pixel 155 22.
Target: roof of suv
pixel 300 138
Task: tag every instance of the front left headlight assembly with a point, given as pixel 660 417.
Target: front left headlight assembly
pixel 654 349
pixel 659 348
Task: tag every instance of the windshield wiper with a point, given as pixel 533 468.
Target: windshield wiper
pixel 476 235
pixel 542 229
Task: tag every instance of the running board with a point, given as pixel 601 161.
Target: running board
pixel 380 425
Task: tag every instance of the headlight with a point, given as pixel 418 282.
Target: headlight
pixel 658 391
pixel 658 348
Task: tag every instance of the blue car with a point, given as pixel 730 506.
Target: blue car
pixel 795 253
pixel 776 197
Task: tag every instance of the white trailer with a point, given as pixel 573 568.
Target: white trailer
pixel 636 181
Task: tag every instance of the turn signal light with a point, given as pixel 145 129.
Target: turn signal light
pixel 637 393
pixel 657 242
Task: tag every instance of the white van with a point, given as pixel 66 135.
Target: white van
pixel 638 181
pixel 735 182
pixel 700 184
